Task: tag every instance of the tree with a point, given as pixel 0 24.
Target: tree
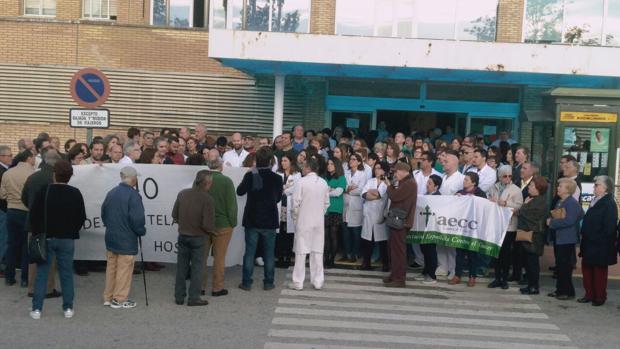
pixel 543 18
pixel 483 28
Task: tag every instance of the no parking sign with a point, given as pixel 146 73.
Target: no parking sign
pixel 90 88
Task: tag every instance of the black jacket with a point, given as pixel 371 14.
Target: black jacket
pixel 599 233
pixel 2 202
pixel 261 207
pixel 65 212
pixel 532 216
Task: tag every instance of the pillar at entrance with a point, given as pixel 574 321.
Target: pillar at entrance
pixel 278 106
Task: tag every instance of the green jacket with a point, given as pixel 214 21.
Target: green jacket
pixel 225 199
pixel 336 203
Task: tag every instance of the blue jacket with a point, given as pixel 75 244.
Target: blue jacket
pixel 567 229
pixel 122 213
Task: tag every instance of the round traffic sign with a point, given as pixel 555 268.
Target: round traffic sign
pixel 90 88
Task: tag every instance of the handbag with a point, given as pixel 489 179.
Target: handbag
pixel 524 235
pixel 558 213
pixel 396 218
pixel 37 246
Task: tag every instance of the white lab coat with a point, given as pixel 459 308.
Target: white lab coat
pixel 232 159
pixel 353 202
pixel 292 180
pixel 374 220
pixel 310 202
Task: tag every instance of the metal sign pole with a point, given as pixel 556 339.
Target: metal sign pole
pixel 89 136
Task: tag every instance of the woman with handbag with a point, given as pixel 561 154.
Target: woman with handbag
pixel 58 212
pixel 374 229
pixel 531 231
pixel 505 194
pixel 565 221
pixel 465 258
pixel 599 237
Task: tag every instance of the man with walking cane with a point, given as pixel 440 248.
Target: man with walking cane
pixel 122 213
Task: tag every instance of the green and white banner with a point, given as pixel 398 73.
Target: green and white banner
pixel 466 222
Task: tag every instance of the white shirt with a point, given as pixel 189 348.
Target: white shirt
pixel 421 180
pixel 452 184
pixel 233 159
pixel 488 177
pixel 368 171
pixel 126 160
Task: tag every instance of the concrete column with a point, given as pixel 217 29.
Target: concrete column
pixel 278 105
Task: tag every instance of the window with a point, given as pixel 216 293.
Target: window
pixel 582 22
pixel 100 9
pixel 179 13
pixel 263 15
pixel 437 19
pixel 40 7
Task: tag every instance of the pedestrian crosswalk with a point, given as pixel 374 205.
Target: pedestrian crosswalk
pixel 355 311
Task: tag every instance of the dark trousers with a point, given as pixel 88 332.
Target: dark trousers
pixel 515 255
pixel 505 258
pixel 17 244
pixel 191 249
pixel 467 259
pixel 351 239
pixel 284 245
pixel 564 257
pixel 430 259
pixel 532 268
pixel 367 247
pixel 398 254
pixel 595 282
pixel 333 225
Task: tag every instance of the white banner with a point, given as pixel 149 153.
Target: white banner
pixel 466 222
pixel 158 186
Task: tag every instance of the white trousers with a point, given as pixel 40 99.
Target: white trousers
pixel 419 257
pixel 446 259
pixel 316 270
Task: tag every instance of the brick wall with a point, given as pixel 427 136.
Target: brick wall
pixel 11 8
pixel 510 20
pixel 323 17
pixel 133 12
pixel 69 9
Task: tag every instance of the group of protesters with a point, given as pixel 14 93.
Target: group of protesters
pixel 331 196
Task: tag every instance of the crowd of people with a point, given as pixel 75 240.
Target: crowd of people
pixel 331 196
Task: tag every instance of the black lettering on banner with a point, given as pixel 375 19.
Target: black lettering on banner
pixel 148 193
pixel 168 246
pixel 158 246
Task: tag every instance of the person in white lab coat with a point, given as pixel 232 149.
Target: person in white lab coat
pixel 353 215
pixel 374 228
pixel 310 203
pixel 284 239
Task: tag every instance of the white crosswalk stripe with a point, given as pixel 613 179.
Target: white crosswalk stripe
pixel 355 311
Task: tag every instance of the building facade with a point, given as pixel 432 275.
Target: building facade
pixel 544 69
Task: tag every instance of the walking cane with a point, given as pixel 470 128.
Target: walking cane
pixel 146 295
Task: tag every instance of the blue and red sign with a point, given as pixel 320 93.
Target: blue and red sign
pixel 90 88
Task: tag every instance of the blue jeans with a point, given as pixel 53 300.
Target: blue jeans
pixel 63 250
pixel 3 236
pixel 352 239
pixel 17 240
pixel 268 237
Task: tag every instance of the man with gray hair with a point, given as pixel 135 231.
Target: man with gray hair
pixel 527 173
pixel 225 200
pixel 194 213
pixel 122 213
pixel 132 153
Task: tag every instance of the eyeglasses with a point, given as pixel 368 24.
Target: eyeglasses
pixel 507 176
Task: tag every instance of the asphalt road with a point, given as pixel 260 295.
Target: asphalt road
pixel 352 311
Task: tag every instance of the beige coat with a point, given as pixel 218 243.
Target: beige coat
pixel 310 202
pixel 513 197
pixel 12 185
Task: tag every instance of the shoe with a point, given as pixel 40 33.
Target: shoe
pixel 415 265
pixel 9 282
pixel 505 286
pixel 441 272
pixel 222 292
pixel 529 290
pixel 244 287
pixel 552 268
pixel 107 303
pixel 564 297
pixel 552 294
pixel 53 294
pixel 471 282
pixel 429 280
pixel 597 303
pixel 395 284
pixel 68 313
pixel 269 287
pixel 455 281
pixel 494 284
pixel 30 294
pixel 1 274
pixel 128 304
pixel 387 279
pixel 419 277
pixel 197 303
pixel 292 286
pixel 318 288
pixel 260 262
pixel 203 293
pixel 23 284
pixel 584 300
pixel 35 314
pixel 179 302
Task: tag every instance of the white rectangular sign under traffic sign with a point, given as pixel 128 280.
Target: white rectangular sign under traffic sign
pixel 89 118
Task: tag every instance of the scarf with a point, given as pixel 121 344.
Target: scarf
pixel 257 180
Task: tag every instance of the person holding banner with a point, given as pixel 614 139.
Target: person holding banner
pixel 505 194
pixel 403 194
pixel 466 258
pixel 565 221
